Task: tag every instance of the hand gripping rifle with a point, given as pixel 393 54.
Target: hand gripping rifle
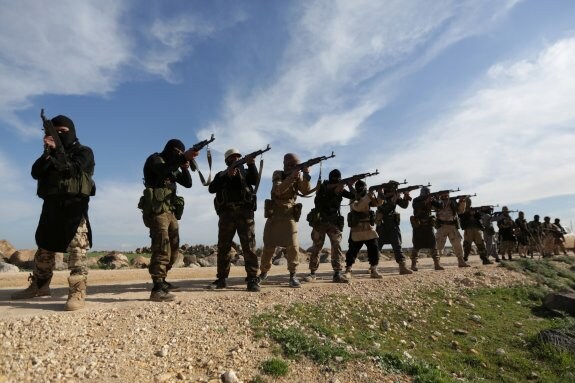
pixel 245 158
pixel 353 179
pixel 194 166
pixel 50 130
pixel 408 189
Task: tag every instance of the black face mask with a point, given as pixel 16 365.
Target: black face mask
pixel 68 138
pixel 172 151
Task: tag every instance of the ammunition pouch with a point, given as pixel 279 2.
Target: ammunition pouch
pixel 490 230
pixel 81 185
pixel 313 217
pixel 354 218
pixel 297 208
pixel 157 201
pixel 178 206
pixel 268 208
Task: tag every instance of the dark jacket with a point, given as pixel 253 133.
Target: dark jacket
pixel 61 212
pixel 237 190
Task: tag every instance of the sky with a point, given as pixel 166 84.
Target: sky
pixel 476 95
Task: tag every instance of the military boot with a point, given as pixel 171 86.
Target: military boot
pixel 414 265
pixel 160 294
pixel 311 277
pixel 373 273
pixel 338 277
pixel 253 284
pixel 403 270
pixel 218 284
pixel 76 293
pixel 461 262
pixel 347 274
pixel 170 287
pixel 486 261
pixel 38 288
pixel 294 281
pixel 437 265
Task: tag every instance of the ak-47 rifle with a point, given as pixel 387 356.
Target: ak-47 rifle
pixel 508 211
pixel 389 184
pixel 50 130
pixel 440 192
pixel 352 179
pixel 408 189
pixel 200 145
pixel 463 196
pixel 245 158
pixel 311 162
pixel 483 208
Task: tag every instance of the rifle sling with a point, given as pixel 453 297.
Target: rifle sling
pixel 196 167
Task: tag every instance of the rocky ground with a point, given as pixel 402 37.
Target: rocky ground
pixel 123 337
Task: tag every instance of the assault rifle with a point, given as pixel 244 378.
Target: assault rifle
pixel 475 209
pixel 440 192
pixel 50 130
pixel 311 162
pixel 244 159
pixel 200 145
pixel 353 179
pixel 501 213
pixel 387 185
pixel 407 189
pixel 463 196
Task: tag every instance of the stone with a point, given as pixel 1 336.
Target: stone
pixel 6 248
pixel 229 377
pixel 140 262
pixel 24 259
pixel 561 302
pixel 8 268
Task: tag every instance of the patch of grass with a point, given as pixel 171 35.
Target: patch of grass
pixel 473 335
pixel 552 273
pixel 275 367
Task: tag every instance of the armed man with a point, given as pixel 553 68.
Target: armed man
pixel 64 173
pixel 473 233
pixel 235 203
pixel 507 237
pixel 535 236
pixel 522 234
pixel 448 225
pixel 162 208
pixel 387 220
pixel 549 233
pixel 283 213
pixel 326 219
pixel 423 223
pixel 361 220
pixel 560 238
pixel 489 232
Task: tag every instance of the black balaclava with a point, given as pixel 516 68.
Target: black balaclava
pixel 68 138
pixel 173 150
pixel 334 176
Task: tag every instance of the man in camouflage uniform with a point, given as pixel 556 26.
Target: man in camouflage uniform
pixel 473 233
pixel 326 219
pixel 361 220
pixel 448 226
pixel 161 210
pixel 387 223
pixel 487 220
pixel 65 184
pixel 283 213
pixel 423 224
pixel 235 203
pixel 560 237
pixel 507 237
pixel 534 236
pixel 522 233
pixel 550 232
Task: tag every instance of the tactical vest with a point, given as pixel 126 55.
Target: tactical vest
pixel 81 185
pixel 158 200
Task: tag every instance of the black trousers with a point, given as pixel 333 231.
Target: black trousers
pixel 354 248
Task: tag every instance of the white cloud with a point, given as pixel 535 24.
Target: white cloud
pixel 510 141
pixel 341 65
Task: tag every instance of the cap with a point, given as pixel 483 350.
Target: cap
pixel 231 152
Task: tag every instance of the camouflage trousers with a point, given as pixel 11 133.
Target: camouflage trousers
pixel 548 245
pixel 490 246
pixel 507 247
pixel 241 221
pixel 45 260
pixel 470 236
pixel 448 231
pixel 165 235
pixel 318 234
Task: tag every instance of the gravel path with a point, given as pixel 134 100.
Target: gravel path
pixel 123 337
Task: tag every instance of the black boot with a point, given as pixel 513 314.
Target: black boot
pixel 218 284
pixel 170 287
pixel 160 294
pixel 253 284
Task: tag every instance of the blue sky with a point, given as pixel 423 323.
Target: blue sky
pixel 469 94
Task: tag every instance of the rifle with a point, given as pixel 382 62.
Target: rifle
pixel 509 211
pixel 311 162
pixel 50 130
pixel 353 179
pixel 200 145
pixel 481 208
pixel 386 184
pixel 245 158
pixel 446 191
pixel 407 189
pixel 463 196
